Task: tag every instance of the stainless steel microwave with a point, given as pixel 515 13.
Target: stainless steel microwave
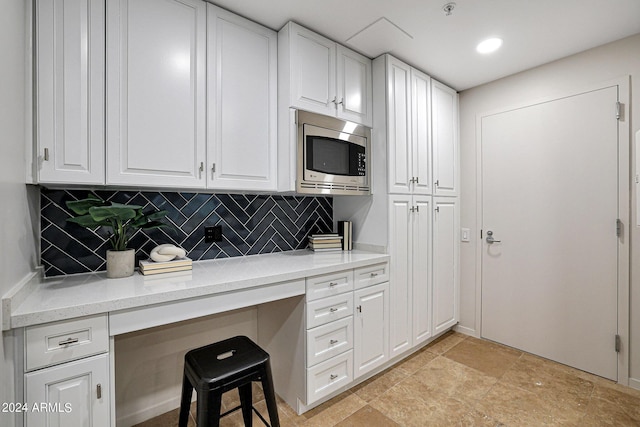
pixel 333 156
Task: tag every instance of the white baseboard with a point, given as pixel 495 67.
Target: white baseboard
pixel 634 383
pixel 467 331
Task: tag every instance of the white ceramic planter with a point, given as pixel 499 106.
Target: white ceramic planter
pixel 120 263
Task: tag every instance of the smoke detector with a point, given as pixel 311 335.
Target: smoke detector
pixel 448 8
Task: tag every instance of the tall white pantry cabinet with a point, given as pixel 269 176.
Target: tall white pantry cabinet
pixel 419 124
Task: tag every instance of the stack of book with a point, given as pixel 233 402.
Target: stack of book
pixel 345 229
pixel 325 242
pixel 149 267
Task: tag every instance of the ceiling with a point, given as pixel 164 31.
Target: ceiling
pixel 418 31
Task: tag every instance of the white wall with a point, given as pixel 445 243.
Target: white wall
pixel 18 212
pixel 594 66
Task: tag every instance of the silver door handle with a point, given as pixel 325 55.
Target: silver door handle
pixel 490 238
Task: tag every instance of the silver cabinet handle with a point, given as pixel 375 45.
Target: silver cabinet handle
pixel 201 169
pixel 99 391
pixel 359 308
pixel 332 284
pixel 374 274
pixel 490 239
pixel 333 309
pixel 46 154
pixel 332 342
pixel 333 377
pixel 68 341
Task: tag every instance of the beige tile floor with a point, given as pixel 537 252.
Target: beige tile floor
pixel 461 381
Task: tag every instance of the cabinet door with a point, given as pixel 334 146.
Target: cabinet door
pixel 421 223
pixel 445 263
pixel 400 248
pixel 241 103
pixel 421 132
pixel 313 71
pixel 70 91
pixel 71 394
pixel 371 330
pixel 399 126
pixel 445 139
pixel 354 88
pixel 156 92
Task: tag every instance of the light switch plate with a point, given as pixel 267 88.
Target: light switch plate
pixel 465 234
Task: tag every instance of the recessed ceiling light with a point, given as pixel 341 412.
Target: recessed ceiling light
pixel 489 45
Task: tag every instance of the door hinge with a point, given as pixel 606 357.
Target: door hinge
pixel 618 343
pixel 619 110
pixel 618 227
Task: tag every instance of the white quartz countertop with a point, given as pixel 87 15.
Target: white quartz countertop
pixel 43 300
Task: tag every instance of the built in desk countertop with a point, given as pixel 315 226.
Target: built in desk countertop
pixel 43 300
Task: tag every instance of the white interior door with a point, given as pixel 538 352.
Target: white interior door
pixel 550 195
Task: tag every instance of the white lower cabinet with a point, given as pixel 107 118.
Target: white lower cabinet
pixel 371 328
pixel 410 248
pixel 329 376
pixel 67 378
pixel 445 263
pixel 348 333
pixel 71 394
pixel 339 332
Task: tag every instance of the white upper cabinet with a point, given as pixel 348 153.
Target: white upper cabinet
pixel 312 70
pixel 446 171
pixel 156 92
pixel 398 109
pixel 241 103
pixel 318 75
pixel 70 91
pixel 408 123
pixel 420 132
pixel 354 87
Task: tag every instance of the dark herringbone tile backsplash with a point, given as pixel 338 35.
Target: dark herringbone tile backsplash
pixel 251 224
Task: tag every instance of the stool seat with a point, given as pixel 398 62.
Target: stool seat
pixel 223 366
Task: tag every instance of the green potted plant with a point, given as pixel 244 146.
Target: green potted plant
pixel 122 220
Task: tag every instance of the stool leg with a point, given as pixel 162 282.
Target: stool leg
pixel 270 395
pixel 246 402
pixel 185 402
pixel 209 408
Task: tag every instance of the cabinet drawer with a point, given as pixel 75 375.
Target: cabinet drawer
pixel 329 376
pixel 60 342
pixel 329 284
pixel 371 275
pixel 329 340
pixel 328 309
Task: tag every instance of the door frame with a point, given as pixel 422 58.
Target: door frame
pixel 624 207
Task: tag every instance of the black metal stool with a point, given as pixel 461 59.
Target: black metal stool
pixel 220 367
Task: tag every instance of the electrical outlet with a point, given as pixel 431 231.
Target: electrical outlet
pixel 213 234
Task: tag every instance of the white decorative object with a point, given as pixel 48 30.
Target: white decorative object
pixel 166 252
pixel 120 263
